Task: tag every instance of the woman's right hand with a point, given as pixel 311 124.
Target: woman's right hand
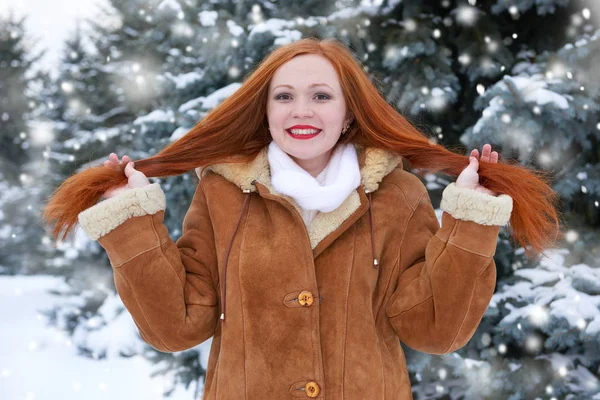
pixel 136 178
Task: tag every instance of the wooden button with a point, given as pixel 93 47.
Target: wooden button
pixel 312 389
pixel 305 298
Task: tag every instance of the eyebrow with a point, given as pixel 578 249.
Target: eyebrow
pixel 311 86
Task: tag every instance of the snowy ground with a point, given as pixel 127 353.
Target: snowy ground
pixel 39 363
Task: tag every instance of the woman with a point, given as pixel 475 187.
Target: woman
pixel 308 250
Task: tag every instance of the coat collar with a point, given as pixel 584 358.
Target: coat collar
pixel 376 164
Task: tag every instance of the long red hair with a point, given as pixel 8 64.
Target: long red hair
pixel 236 131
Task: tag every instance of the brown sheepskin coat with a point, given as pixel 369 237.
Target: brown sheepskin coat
pixel 299 312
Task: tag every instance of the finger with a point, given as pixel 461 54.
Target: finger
pixel 485 152
pixel 494 157
pixel 129 169
pixel 111 162
pixel 113 158
pixel 126 159
pixel 474 163
pixel 474 153
pixel 132 173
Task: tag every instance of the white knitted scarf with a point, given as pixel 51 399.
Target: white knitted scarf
pixel 342 176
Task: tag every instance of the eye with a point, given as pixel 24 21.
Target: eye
pixel 319 96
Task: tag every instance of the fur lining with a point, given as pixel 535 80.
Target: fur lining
pixel 378 163
pixel 105 216
pixel 325 223
pixel 470 205
pixel 242 174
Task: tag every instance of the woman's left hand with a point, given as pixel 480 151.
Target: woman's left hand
pixel 469 178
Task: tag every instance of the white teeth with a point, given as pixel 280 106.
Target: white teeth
pixel 304 131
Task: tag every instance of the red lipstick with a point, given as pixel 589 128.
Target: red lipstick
pixel 303 136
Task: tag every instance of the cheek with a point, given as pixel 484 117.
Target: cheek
pixel 274 113
pixel 334 112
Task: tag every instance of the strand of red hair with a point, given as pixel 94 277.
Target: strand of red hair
pixel 236 131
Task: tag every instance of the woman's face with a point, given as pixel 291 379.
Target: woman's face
pixel 306 109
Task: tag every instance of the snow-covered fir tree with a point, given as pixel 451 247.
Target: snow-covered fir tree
pixel 15 63
pixel 517 74
pixel 23 243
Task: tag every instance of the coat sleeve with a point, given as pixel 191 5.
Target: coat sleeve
pixel 447 275
pixel 170 289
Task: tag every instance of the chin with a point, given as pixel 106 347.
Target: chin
pixel 305 154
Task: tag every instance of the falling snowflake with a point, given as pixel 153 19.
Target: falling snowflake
pixel 466 15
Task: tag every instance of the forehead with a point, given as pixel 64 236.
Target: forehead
pixel 302 71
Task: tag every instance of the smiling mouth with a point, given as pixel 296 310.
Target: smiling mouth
pixel 303 133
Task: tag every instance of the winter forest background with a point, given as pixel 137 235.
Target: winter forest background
pixel 522 75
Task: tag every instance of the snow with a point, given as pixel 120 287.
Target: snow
pixel 8 192
pixel 62 157
pixel 212 100
pixel 353 12
pixel 51 25
pixel 582 175
pixel 470 363
pixel 569 297
pixel 287 37
pixel 495 107
pixel 594 326
pixel 577 376
pixel 367 7
pixel 109 338
pixel 514 366
pixel 580 378
pixel 171 5
pixel 40 362
pixel 208 18
pixel 82 137
pixel 532 88
pixel 271 25
pixel 183 80
pixel 178 133
pixel 311 21
pixel 277 27
pixel 154 117
pixel 559 360
pixel 437 92
pixel 234 28
pixel 393 55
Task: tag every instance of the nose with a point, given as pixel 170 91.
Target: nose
pixel 301 109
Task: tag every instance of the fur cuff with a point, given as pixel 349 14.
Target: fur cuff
pixel 105 216
pixel 470 205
